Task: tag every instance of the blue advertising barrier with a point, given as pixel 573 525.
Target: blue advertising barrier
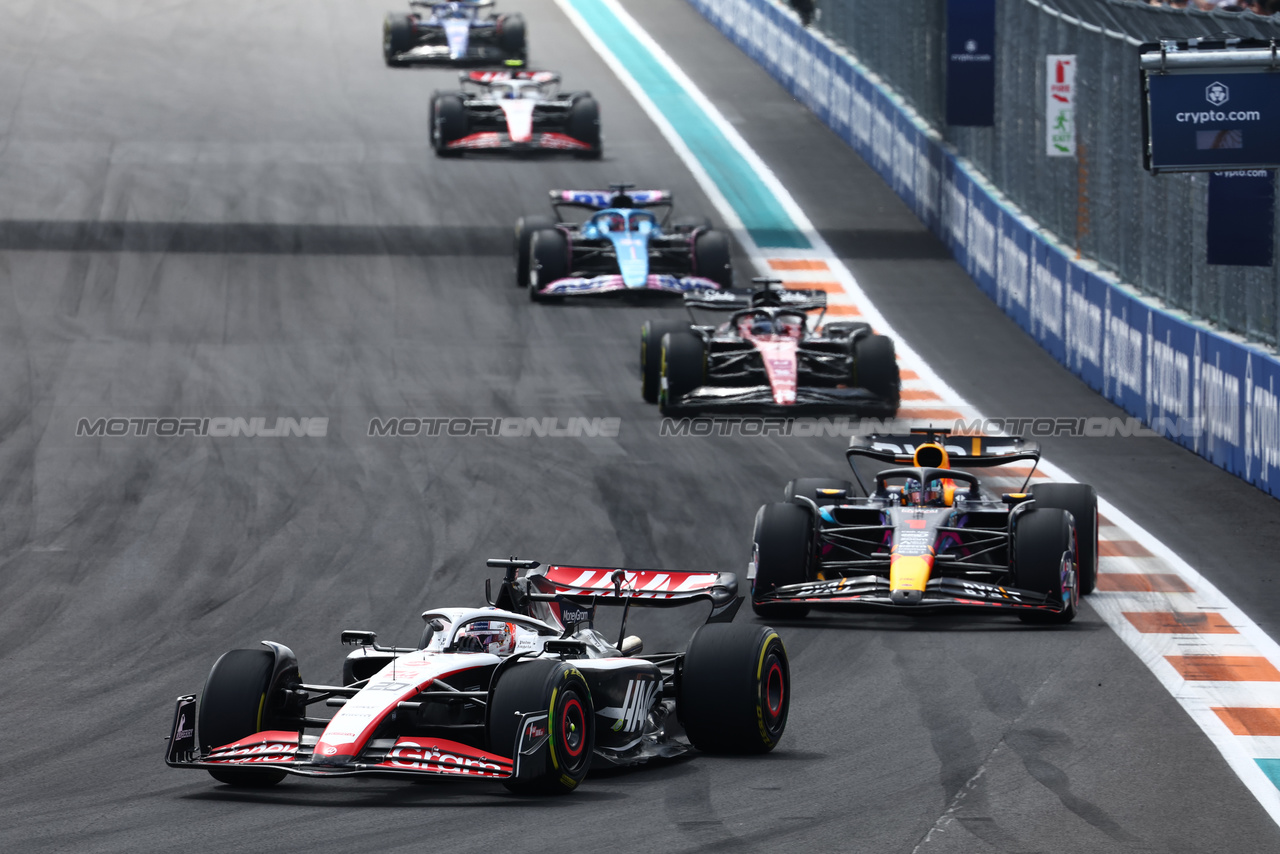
pixel 1210 393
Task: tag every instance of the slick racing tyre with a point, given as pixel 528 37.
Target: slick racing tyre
pixel 1044 552
pixel 875 367
pixel 583 125
pixel 511 36
pixel 1081 501
pixel 782 548
pixel 397 37
pixel 548 260
pixel 683 367
pixel 735 688
pixel 560 691
pixel 807 487
pixel 525 227
pixel 711 258
pixel 448 123
pixel 235 701
pixel 651 334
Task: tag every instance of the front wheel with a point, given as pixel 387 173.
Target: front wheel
pixel 735 688
pixel 651 334
pixel 782 549
pixel 1081 501
pixel 397 37
pixel 525 228
pixel 560 691
pixel 548 261
pixel 683 367
pixel 234 705
pixel 1044 554
pixel 448 123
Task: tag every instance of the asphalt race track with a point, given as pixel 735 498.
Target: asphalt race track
pixel 230 210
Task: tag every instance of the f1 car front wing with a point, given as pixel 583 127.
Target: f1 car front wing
pixel 873 592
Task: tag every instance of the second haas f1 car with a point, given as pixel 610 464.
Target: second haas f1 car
pixel 452 31
pixel 928 537
pixel 622 247
pixel 765 358
pixel 514 111
pixel 523 691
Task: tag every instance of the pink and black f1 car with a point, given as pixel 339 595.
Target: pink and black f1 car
pixel 452 31
pixel 622 247
pixel 928 537
pixel 514 111
pixel 524 691
pixel 766 359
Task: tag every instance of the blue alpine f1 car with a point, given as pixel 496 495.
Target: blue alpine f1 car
pixel 453 32
pixel 622 247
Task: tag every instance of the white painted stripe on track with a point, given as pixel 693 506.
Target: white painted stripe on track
pixel 1196 698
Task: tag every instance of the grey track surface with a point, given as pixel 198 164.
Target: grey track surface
pixel 229 209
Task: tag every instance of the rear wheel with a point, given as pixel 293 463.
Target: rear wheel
pixel 683 367
pixel 548 260
pixel 1044 556
pixel 584 125
pixel 782 549
pixel 234 705
pixel 511 36
pixel 525 227
pixel 651 334
pixel 397 37
pixel 809 487
pixel 711 258
pixel 735 688
pixel 1081 501
pixel 875 367
pixel 560 691
pixel 448 123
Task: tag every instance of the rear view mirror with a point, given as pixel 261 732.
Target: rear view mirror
pixel 355 638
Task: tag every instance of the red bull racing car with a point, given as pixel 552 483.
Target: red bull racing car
pixel 452 31
pixel 514 111
pixel 524 691
pixel 766 358
pixel 927 536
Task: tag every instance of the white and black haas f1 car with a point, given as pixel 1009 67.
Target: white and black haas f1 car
pixel 767 358
pixel 928 537
pixel 622 247
pixel 453 31
pixel 514 112
pixel 524 691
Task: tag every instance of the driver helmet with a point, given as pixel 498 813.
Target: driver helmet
pixel 762 325
pixel 615 222
pixel 492 636
pixel 930 494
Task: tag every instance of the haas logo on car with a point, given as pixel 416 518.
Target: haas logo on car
pixel 641 694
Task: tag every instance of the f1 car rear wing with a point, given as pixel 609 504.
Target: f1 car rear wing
pixel 591 585
pixel 965 451
pixel 741 299
pixel 484 78
pixel 617 196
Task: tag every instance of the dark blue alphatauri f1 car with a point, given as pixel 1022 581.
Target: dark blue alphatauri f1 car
pixel 622 247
